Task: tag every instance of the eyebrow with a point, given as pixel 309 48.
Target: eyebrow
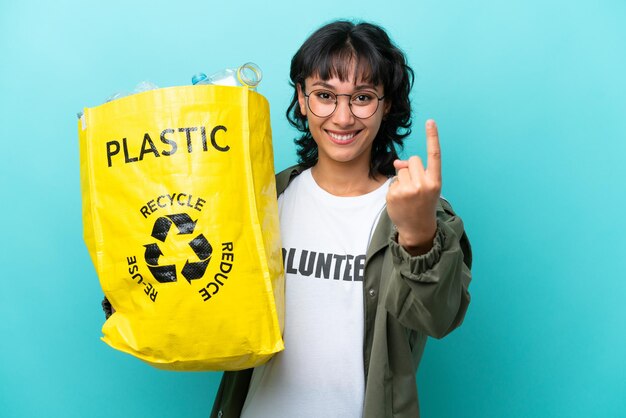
pixel 324 84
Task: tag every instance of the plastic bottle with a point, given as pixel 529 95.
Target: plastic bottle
pixel 139 88
pixel 249 75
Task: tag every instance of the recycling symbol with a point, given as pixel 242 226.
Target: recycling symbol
pixel 192 270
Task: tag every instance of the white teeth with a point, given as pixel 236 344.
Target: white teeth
pixel 341 137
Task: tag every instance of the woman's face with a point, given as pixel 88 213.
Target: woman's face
pixel 342 137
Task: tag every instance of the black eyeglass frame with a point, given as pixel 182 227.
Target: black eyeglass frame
pixel 349 102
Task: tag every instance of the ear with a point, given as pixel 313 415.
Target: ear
pixel 386 107
pixel 301 99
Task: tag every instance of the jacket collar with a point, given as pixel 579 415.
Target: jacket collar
pixel 382 234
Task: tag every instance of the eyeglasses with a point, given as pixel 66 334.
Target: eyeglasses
pixel 363 104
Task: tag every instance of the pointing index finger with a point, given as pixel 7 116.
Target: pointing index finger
pixel 433 150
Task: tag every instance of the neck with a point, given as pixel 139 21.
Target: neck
pixel 344 179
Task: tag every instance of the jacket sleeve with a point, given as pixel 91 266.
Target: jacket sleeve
pixel 107 308
pixel 231 394
pixel 429 293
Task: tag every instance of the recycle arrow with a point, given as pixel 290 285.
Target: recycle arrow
pixel 161 228
pixel 164 274
pixel 200 246
pixel 183 222
pixel 153 252
pixel 195 270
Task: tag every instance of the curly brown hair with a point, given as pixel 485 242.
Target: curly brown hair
pixel 332 51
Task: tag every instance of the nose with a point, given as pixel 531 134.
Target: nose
pixel 343 114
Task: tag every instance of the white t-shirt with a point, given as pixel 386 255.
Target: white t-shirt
pixel 320 372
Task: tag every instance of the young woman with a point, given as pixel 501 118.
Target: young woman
pixel 375 260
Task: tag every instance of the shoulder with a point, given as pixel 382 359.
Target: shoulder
pixel 286 176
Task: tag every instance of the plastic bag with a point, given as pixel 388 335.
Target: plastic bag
pixel 181 221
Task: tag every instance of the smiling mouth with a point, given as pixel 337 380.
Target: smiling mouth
pixel 342 137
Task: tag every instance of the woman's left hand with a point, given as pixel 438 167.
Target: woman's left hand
pixel 413 195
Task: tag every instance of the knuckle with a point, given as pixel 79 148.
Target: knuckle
pixel 432 189
pixel 436 185
pixel 415 159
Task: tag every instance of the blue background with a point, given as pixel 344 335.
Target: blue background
pixel 530 99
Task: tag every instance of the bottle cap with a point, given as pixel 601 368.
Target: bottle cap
pixel 249 74
pixel 197 78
